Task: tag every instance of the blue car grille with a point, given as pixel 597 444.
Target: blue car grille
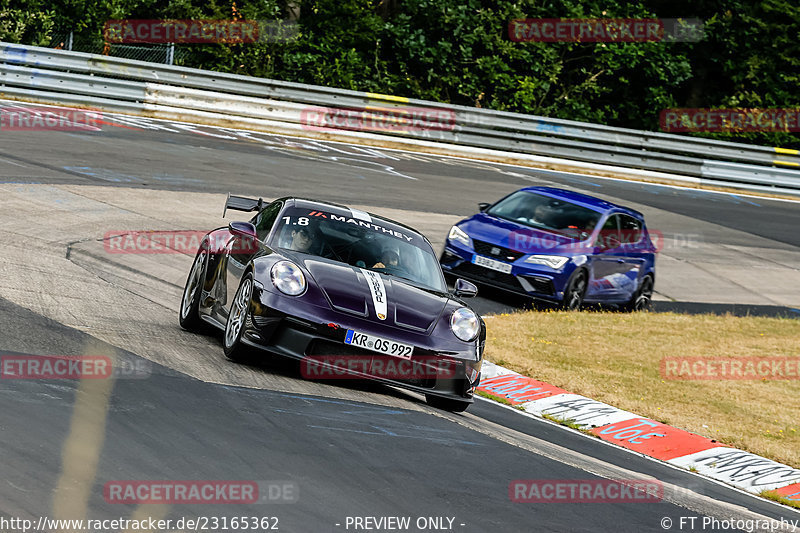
pixel 542 286
pixel 493 250
pixel 507 281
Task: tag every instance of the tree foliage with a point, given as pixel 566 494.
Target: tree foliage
pixel 458 52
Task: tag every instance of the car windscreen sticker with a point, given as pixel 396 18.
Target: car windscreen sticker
pixel 361 215
pixel 378 292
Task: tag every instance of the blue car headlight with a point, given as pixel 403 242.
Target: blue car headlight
pixel 553 261
pixel 465 324
pixel 288 278
pixel 457 234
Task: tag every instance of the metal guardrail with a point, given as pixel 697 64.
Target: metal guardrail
pixel 117 84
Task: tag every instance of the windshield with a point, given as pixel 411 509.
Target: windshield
pixel 360 241
pixel 544 212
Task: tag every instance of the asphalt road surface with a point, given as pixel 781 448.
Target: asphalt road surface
pixel 344 449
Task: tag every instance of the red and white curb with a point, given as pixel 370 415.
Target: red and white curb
pixel 687 450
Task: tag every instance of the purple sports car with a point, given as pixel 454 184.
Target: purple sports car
pixel 346 292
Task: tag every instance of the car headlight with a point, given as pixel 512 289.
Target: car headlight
pixel 288 278
pixel 465 324
pixel 553 261
pixel 457 234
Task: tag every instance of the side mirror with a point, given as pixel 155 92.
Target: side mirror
pixel 465 289
pixel 242 229
pixel 483 206
pixel 247 233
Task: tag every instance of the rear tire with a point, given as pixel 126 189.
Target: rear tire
pixel 576 290
pixel 446 404
pixel 189 314
pixel 642 300
pixel 237 320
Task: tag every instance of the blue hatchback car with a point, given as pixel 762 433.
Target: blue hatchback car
pixel 556 245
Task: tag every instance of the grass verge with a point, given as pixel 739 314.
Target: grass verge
pixel 774 496
pixel 616 358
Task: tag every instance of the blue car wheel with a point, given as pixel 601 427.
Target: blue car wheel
pixel 576 290
pixel 642 298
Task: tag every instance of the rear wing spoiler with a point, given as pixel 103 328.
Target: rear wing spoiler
pixel 241 203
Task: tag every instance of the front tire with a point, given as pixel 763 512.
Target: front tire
pixel 446 404
pixel 189 314
pixel 237 319
pixel 576 290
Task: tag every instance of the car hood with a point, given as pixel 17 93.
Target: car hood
pixel 356 291
pixel 519 237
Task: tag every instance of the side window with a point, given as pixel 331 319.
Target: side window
pixel 630 229
pixel 265 219
pixel 609 234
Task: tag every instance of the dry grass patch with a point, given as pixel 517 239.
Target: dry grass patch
pixel 615 358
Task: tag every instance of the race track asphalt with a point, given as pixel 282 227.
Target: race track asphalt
pixel 350 449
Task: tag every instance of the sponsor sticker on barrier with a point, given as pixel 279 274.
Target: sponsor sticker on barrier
pixel 585 491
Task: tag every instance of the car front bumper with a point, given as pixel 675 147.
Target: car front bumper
pixel 536 281
pixel 290 327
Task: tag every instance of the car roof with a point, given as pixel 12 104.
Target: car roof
pixel 584 200
pixel 342 210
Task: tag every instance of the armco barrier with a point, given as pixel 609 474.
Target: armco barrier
pixel 116 84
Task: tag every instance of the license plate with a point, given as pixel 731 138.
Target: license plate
pixel 379 344
pixel 491 264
